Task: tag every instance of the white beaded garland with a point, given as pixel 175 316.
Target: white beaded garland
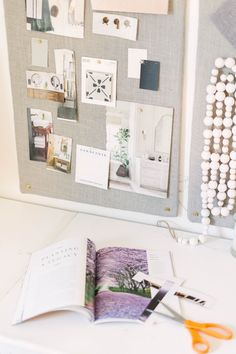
pixel 218 188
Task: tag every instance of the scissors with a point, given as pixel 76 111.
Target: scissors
pixel 200 345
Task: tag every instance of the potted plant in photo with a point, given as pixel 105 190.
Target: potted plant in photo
pixel 121 154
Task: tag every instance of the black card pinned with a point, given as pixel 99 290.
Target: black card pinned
pixel 150 73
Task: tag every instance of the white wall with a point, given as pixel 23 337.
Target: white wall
pixel 9 180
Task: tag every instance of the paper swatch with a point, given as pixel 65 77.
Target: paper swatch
pixel 150 72
pixel 92 166
pixel 115 25
pixel 135 58
pixel 157 7
pixel 39 48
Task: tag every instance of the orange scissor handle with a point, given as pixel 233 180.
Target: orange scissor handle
pixel 211 329
pixel 200 345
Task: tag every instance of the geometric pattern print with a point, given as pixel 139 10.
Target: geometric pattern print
pixel 99 86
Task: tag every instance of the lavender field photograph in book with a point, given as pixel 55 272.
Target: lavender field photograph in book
pixel 118 296
pixel 90 275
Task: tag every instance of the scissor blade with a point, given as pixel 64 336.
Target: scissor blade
pixel 166 316
pixel 177 317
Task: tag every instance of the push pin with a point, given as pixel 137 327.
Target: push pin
pixel 105 21
pixel 117 23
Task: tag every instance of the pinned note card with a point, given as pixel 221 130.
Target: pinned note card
pixel 39 48
pixel 135 58
pixel 92 166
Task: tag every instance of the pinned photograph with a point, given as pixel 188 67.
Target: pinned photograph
pixel 59 153
pixel 99 81
pixel 65 67
pixel 47 86
pixel 139 138
pixel 60 17
pixel 39 128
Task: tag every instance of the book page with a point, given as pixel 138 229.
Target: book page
pixel 55 280
pixel 118 296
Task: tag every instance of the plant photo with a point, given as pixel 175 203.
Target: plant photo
pixel 139 139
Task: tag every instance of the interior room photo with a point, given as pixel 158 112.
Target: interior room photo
pixel 118 176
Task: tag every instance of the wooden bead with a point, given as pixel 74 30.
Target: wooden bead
pixel 207 134
pixel 215 211
pixel 219 63
pixel 220 87
pixel 220 96
pixel 229 62
pixel 211 89
pixel 225 212
pixel 211 98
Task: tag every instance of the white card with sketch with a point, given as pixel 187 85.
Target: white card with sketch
pixel 99 81
pixel 92 166
pixel 61 17
pixel 139 139
pixel 115 25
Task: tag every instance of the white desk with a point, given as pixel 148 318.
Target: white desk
pixel 26 228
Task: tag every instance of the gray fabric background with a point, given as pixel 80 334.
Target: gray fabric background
pixel 163 36
pixel 211 44
pixel 224 19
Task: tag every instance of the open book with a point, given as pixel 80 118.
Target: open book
pixel 72 275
